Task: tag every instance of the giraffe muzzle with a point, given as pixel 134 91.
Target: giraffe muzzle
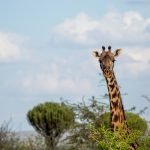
pixel 107 73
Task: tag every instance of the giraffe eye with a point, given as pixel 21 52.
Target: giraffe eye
pixel 100 60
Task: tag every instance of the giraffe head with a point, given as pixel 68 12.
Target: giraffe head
pixel 106 60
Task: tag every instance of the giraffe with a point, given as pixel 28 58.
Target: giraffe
pixel 117 113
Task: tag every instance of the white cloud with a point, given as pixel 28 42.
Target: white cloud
pixel 141 55
pixel 134 61
pixel 128 30
pixel 75 29
pixel 52 84
pixel 11 47
pixel 56 78
pixel 114 28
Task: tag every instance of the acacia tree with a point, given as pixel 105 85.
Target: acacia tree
pixel 86 113
pixel 51 120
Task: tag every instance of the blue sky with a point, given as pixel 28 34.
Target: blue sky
pixel 46 52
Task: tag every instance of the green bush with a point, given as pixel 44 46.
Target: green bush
pixel 134 121
pixel 108 140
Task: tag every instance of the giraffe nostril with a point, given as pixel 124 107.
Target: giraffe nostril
pixel 106 71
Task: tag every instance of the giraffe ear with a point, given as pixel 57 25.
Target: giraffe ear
pixel 96 54
pixel 117 52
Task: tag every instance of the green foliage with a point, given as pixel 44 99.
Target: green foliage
pixel 8 139
pixel 51 120
pixel 108 140
pixel 144 143
pixel 33 143
pixel 97 136
pixel 86 113
pixel 120 140
pixel 134 121
pixel 59 117
pixel 96 113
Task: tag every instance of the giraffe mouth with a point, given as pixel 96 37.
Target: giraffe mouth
pixel 107 73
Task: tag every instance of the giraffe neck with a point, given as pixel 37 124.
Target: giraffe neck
pixel 117 114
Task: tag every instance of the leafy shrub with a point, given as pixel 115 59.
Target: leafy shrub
pixel 134 121
pixel 118 140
